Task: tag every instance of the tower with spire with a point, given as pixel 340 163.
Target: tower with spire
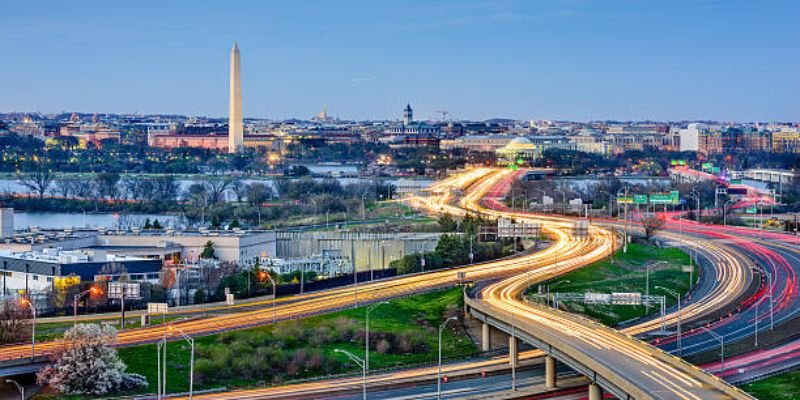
pixel 408 115
pixel 235 119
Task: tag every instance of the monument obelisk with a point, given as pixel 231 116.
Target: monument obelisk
pixel 235 124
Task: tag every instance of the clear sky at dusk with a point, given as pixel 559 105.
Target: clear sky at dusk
pixel 555 59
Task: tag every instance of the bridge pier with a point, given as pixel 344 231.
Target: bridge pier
pixel 513 351
pixel 549 372
pixel 486 337
pixel 595 392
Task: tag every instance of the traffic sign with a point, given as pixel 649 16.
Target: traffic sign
pixel 118 289
pixel 157 308
pixel 631 299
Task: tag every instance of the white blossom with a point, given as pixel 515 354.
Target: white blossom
pixel 88 364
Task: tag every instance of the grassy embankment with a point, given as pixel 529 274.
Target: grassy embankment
pixel 627 273
pixel 781 387
pixel 304 348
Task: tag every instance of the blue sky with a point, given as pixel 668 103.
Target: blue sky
pixel 554 59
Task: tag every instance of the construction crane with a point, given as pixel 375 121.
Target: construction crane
pixel 444 114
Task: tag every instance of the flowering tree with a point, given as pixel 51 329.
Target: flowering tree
pixel 88 364
pixel 651 225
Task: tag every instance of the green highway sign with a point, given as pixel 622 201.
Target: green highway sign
pixel 640 199
pixel 625 199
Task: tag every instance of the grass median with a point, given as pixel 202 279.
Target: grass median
pixel 403 332
pixel 780 387
pixel 625 274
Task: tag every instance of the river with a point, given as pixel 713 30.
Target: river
pixel 55 220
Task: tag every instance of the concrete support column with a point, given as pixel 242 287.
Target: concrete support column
pixel 513 351
pixel 595 392
pixel 549 372
pixel 486 337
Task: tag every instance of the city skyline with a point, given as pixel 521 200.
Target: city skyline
pixel 680 61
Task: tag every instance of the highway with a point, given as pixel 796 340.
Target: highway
pixel 575 252
pixel 566 253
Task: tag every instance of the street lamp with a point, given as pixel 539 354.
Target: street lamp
pixel 27 301
pixel 366 351
pixel 610 203
pixel 19 387
pixel 755 319
pixel 191 359
pixel 725 214
pixel 677 299
pixel 93 290
pixel 647 280
pixel 261 276
pixel 439 371
pixel 555 303
pixel 358 362
pixel 721 340
pixel 563 200
pixel 161 374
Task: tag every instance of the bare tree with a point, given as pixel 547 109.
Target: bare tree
pixel 216 189
pixel 39 179
pixel 651 225
pixel 239 188
pixel 14 326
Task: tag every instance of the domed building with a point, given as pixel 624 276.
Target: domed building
pixel 518 151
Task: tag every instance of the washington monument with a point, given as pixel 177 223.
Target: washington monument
pixel 235 128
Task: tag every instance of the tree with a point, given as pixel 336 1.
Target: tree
pixel 208 250
pixel 39 177
pixel 651 225
pixel 88 364
pixel 452 249
pixel 107 184
pixel 147 224
pixel 156 224
pixel 14 325
pixel 235 223
pixel 257 193
pixel 447 223
pixel 215 224
pixel 239 188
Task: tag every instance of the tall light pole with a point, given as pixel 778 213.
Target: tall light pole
pixel 191 359
pixel 161 376
pixel 647 282
pixel 439 371
pixel 555 303
pixel 93 290
pixel 721 340
pixel 563 200
pixel 361 364
pixel 610 203
pixel 677 299
pixel 29 303
pixel 366 350
pixel 725 215
pixel 19 387
pixel 756 322
pixel 771 303
pixel 261 276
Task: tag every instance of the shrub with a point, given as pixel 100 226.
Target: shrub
pixel 383 346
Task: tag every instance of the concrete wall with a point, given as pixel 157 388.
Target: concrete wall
pixel 242 249
pixel 372 251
